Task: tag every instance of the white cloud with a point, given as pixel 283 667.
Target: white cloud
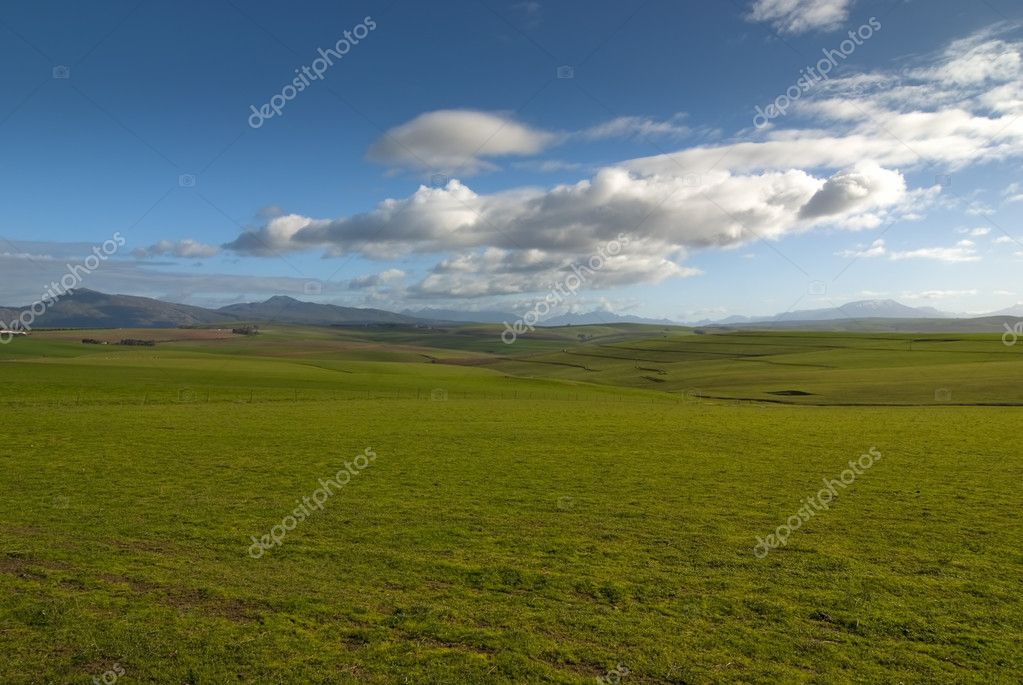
pixel 865 186
pixel 671 213
pixel 1013 193
pixel 800 16
pixel 974 232
pixel 548 165
pixel 529 7
pixel 383 279
pixel 25 255
pixel 25 281
pixel 975 60
pixel 185 249
pixel 457 141
pixel 876 249
pixel 640 127
pixel 464 142
pixel 938 294
pixel 531 12
pixel 495 272
pixel 963 251
pixel 911 119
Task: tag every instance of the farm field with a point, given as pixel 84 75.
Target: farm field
pixel 581 505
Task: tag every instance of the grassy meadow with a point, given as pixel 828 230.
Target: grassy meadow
pixel 581 505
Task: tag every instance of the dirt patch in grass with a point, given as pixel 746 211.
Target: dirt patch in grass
pixel 16 564
pixel 190 599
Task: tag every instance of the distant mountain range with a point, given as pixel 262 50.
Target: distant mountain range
pixel 602 316
pixel 595 317
pixel 862 309
pixel 1014 310
pixel 90 309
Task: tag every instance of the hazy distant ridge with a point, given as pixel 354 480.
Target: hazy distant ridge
pixel 91 309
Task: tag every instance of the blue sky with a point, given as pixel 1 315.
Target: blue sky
pixel 466 154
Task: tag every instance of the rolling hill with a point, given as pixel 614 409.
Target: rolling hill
pixel 285 309
pixel 90 309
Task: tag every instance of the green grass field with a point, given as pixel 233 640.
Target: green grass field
pixel 544 512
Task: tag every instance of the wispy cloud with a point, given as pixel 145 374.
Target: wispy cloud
pixel 938 294
pixel 24 281
pixel 530 10
pixel 638 127
pixel 548 165
pixel 801 16
pixel 1014 193
pixel 186 249
pixel 876 249
pixel 386 278
pixel 963 251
